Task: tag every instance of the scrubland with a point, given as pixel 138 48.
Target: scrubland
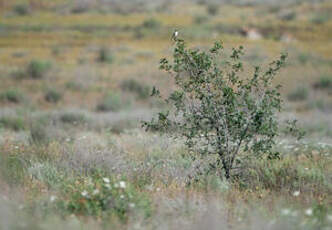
pixel 75 84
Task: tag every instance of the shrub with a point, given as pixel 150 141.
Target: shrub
pixel 284 175
pixel 200 19
pixel 18 74
pixel 304 58
pixel 299 94
pixel 99 196
pixel 22 9
pixel 151 23
pixel 134 86
pixel 111 102
pixel 73 118
pixel 12 95
pixel 13 122
pixel 212 9
pixel 324 82
pixel 320 18
pixel 39 133
pixel 287 15
pixel 105 55
pixel 37 69
pixel 12 167
pixel 52 95
pixel 218 111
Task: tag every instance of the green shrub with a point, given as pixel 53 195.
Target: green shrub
pixel 12 167
pixel 299 94
pixel 151 23
pixel 212 9
pixel 52 96
pixel 105 55
pixel 22 9
pixel 99 196
pixel 304 58
pixel 18 74
pixel 111 102
pixel 200 19
pixel 284 175
pixel 288 15
pixel 219 111
pixel 320 18
pixel 39 133
pixel 12 122
pixel 73 118
pixel 12 95
pixel 37 69
pixel 134 86
pixel 324 82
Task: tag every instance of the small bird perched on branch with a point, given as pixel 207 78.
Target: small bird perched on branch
pixel 175 35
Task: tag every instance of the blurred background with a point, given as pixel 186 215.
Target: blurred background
pixel 92 63
pixel 75 82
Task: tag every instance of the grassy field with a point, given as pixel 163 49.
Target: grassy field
pixel 76 78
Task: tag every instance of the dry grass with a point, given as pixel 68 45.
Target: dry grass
pixel 71 140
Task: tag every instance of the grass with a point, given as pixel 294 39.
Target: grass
pixel 52 96
pixel 299 94
pixel 53 148
pixel 144 183
pixel 12 95
pixel 112 101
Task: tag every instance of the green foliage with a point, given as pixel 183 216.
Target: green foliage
pixel 52 95
pixel 103 196
pixel 299 94
pixel 151 23
pixel 22 9
pixel 324 82
pixel 37 69
pixel 320 18
pixel 213 9
pixel 12 122
pixel 12 95
pixel 284 175
pixel 287 15
pixel 219 111
pixel 39 134
pixel 105 55
pixel 73 118
pixel 111 102
pixel 12 167
pixel 134 86
pixel 200 19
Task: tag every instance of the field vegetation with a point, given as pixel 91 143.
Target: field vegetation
pixel 75 83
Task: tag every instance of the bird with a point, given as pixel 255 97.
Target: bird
pixel 175 35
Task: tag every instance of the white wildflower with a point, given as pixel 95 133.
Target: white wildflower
pixel 122 196
pixel 329 218
pixel 296 193
pixel 285 212
pixel 95 192
pixel 122 184
pixel 106 180
pixel 53 198
pixel 308 212
pixel 108 186
pixel 131 205
pixel 84 193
